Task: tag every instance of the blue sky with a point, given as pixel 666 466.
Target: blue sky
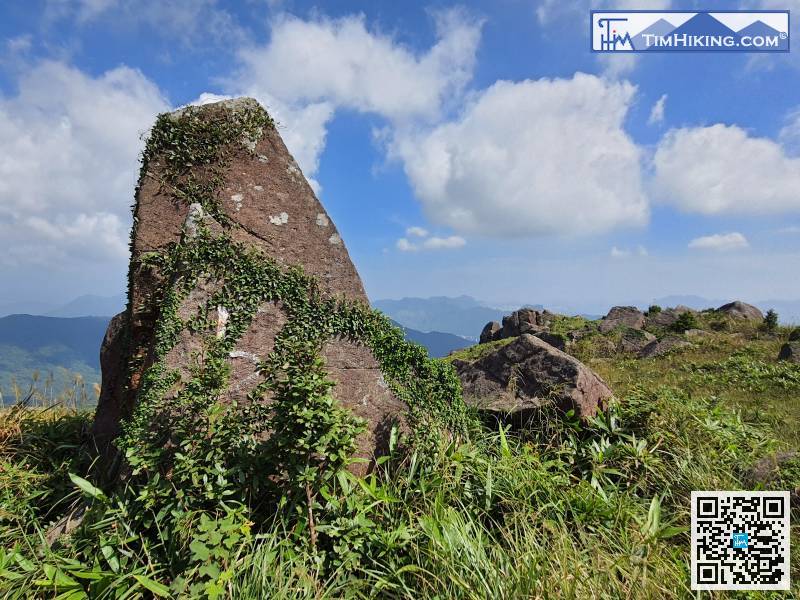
pixel 475 148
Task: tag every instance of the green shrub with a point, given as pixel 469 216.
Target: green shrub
pixel 685 321
pixel 771 321
pixel 654 309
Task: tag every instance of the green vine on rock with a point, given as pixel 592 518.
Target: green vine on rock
pixel 196 455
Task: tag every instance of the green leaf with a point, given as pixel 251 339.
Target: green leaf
pixel 199 551
pixel 87 488
pixel 157 588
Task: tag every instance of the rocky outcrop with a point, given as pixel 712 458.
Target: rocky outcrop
pixel 619 316
pixel 663 346
pixel 526 374
pixel 554 339
pixel 217 274
pixel 490 332
pixel 524 320
pixel 634 341
pixel 667 317
pixel 790 352
pixel 741 310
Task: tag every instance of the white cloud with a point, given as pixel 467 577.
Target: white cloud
pixel 432 243
pixel 657 112
pixel 791 229
pixel 618 253
pixel 437 243
pixel 70 158
pixel 417 232
pixel 626 253
pixel 615 66
pixel 720 242
pixel 721 170
pixel 311 68
pixel 531 158
pixel 405 246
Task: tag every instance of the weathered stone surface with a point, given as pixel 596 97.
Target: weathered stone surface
pixel 353 368
pixel 112 365
pixel 524 320
pixel 766 473
pixel 490 332
pixel 667 317
pixel 663 346
pixel 528 373
pixel 741 310
pixel 634 340
pixel 629 316
pixel 554 339
pixel 791 352
pixel 794 336
pixel 270 207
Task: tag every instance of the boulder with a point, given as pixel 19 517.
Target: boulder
pixel 790 352
pixel 554 339
pixel 524 375
pixel 618 316
pixel 490 332
pixel 663 346
pixel 766 474
pixel 794 336
pixel 524 320
pixel 667 317
pixel 107 420
pixel 634 340
pixel 741 310
pixel 255 205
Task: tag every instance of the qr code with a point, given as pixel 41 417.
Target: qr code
pixel 740 540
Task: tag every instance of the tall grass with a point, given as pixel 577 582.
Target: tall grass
pixel 562 510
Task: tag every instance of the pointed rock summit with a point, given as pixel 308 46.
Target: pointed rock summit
pixel 235 264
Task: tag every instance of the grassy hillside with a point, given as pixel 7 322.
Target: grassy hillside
pixel 53 349
pixel 598 510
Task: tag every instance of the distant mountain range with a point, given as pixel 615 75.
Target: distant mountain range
pixel 438 344
pixel 463 316
pixel 82 306
pixel 49 345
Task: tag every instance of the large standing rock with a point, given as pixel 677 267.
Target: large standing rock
pixel 790 352
pixel 618 316
pixel 525 374
pixel 667 317
pixel 253 201
pixel 741 310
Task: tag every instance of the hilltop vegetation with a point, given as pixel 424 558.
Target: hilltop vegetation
pixel 561 509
